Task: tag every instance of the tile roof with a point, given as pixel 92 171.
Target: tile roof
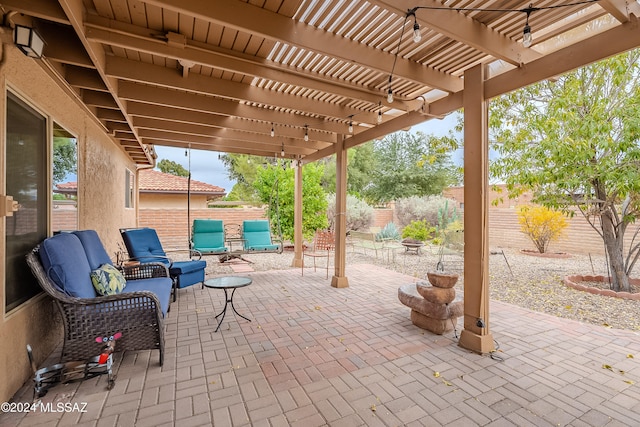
pixel 153 181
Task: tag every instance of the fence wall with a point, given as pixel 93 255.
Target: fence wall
pixel 173 227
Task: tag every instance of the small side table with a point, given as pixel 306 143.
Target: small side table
pixel 225 283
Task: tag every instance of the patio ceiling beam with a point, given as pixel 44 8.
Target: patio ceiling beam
pixel 456 26
pixel 168 103
pixel 126 69
pixel 138 39
pixel 261 22
pixel 229 146
pixel 43 9
pixel 230 135
pixel 84 78
pixel 75 11
pixel 621 38
pixel 231 123
pixel 619 9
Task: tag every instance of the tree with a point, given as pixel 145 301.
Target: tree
pixel 275 187
pixel 171 167
pixel 64 158
pixel 360 163
pixel 573 142
pixel 541 225
pixel 243 169
pixel 408 164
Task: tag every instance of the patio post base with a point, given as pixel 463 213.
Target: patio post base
pixel 339 282
pixel 481 344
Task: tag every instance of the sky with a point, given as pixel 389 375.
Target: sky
pixel 206 167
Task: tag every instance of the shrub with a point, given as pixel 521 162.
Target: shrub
pixel 424 208
pixel 542 225
pixel 359 213
pixel 389 232
pixel 418 230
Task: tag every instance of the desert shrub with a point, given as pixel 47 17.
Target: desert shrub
pixel 424 208
pixel 389 232
pixel 359 213
pixel 452 236
pixel 541 225
pixel 418 230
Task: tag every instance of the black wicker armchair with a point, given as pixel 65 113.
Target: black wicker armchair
pixel 137 312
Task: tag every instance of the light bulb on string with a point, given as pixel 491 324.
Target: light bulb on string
pixel 306 133
pixel 350 126
pixel 527 38
pixel 390 96
pixel 282 152
pixel 416 31
pixel 273 132
pixel 379 119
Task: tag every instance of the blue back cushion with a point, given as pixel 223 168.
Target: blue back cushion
pixel 64 260
pixel 144 245
pixel 256 233
pixel 208 234
pixel 93 248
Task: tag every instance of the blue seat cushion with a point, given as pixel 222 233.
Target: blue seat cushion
pixel 93 248
pixel 185 267
pixel 65 262
pixel 144 245
pixel 161 286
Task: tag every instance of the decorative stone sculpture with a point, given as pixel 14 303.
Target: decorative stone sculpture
pixel 434 305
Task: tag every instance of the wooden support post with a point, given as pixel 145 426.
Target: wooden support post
pixel 339 280
pixel 476 335
pixel 298 239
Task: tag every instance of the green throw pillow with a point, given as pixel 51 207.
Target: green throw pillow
pixel 108 280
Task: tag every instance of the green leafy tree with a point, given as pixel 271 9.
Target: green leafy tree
pixel 171 167
pixel 64 158
pixel 407 164
pixel 360 163
pixel 573 142
pixel 243 169
pixel 275 186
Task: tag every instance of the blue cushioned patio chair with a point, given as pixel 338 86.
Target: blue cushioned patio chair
pixel 208 237
pixel 143 245
pixel 256 235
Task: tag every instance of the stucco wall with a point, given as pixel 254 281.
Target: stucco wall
pixel 175 201
pixel 101 175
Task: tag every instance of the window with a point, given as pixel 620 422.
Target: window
pixel 27 182
pixel 129 189
pixel 64 207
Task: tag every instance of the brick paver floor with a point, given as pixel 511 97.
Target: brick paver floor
pixel 314 355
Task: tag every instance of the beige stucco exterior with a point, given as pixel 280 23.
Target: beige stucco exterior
pixel 175 201
pixel 101 178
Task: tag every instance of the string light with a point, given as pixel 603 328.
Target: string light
pixel 273 132
pixel 527 36
pixel 379 120
pixel 306 133
pixel 416 30
pixel 282 151
pixel 351 126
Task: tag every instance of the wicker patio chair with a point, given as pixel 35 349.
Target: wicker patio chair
pixel 137 315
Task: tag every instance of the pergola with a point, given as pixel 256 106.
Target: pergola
pixel 306 79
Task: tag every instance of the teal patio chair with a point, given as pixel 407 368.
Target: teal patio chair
pixel 256 235
pixel 208 237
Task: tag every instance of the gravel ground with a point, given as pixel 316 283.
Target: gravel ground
pixel 532 282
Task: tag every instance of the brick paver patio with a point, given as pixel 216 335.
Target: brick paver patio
pixel 314 355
